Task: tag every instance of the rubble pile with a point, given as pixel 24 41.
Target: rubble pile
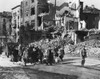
pixel 57 42
pixel 46 44
pixel 88 44
pixel 92 47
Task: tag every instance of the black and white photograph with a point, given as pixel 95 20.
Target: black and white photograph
pixel 49 39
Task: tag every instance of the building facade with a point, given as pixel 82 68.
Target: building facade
pixel 30 9
pixel 91 16
pixel 16 22
pixel 5 26
pixel 69 14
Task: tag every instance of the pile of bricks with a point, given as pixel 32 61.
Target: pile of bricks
pixel 92 47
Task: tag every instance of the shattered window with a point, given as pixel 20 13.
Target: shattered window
pixel 32 11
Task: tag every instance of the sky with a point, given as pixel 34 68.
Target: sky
pixel 96 3
pixel 6 5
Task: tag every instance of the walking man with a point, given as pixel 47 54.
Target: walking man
pixel 50 58
pixel 84 55
pixel 61 55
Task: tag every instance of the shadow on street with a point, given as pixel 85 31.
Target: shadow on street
pixel 28 73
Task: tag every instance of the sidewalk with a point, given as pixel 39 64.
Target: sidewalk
pixel 70 66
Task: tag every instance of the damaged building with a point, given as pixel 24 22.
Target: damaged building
pixel 90 28
pixel 5 26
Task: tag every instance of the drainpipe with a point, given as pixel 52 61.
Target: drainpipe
pixel 79 18
pixel 65 24
pixel 43 22
pixel 55 11
pixel 36 15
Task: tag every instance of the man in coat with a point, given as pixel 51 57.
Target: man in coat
pixel 83 55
